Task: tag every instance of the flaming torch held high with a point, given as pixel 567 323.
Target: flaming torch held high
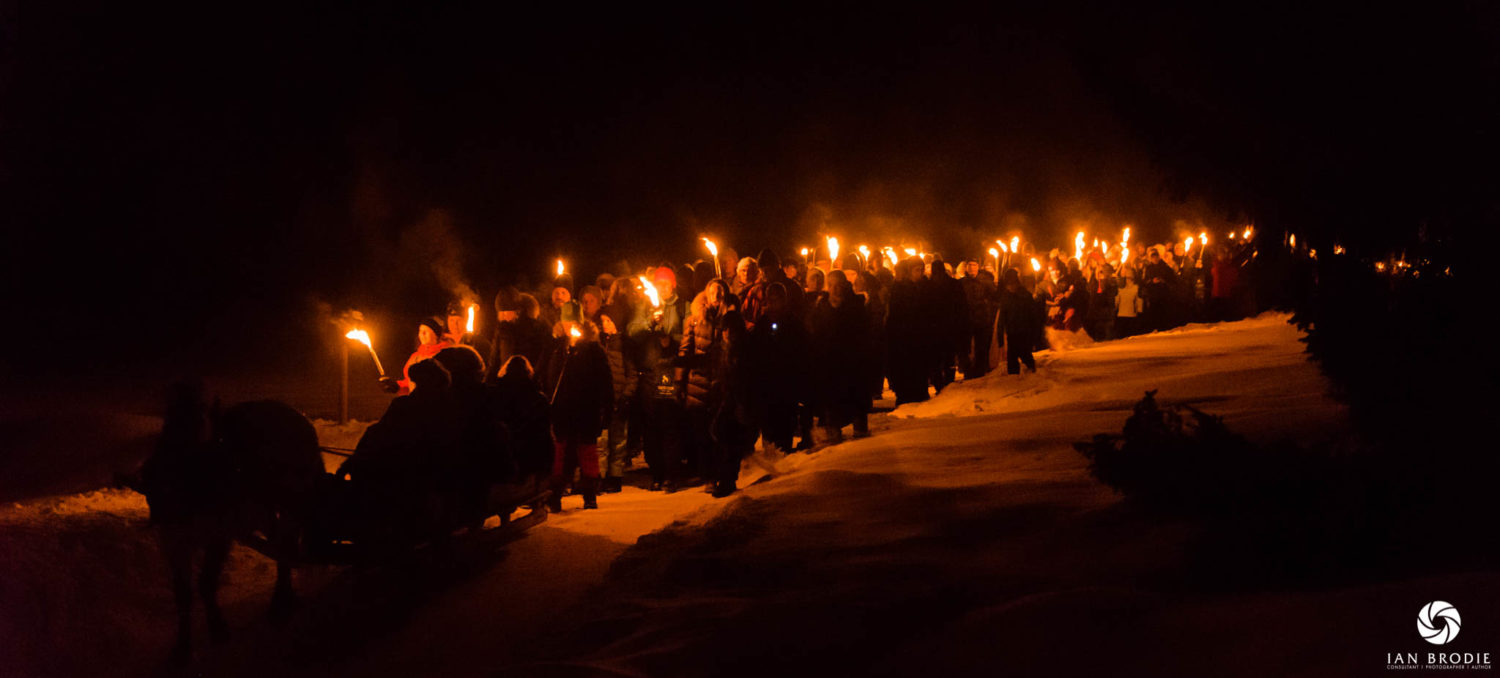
pixel 996 254
pixel 1015 244
pixel 363 337
pixel 890 254
pixel 1078 246
pixel 469 326
pixel 650 291
pixel 713 251
pixel 561 269
pixel 1036 266
pixel 833 253
pixel 865 253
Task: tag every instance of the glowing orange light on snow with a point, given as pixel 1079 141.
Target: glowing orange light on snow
pixel 650 291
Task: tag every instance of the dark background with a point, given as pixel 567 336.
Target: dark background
pixel 196 187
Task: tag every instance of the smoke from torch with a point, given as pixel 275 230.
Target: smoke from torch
pixel 363 337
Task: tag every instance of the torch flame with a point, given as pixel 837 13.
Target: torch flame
pixel 1105 247
pixel 890 253
pixel 1292 240
pixel 469 327
pixel 1036 266
pixel 994 253
pixel 1125 238
pixel 1001 243
pixel 804 254
pixel 1338 249
pixel 650 291
pixel 360 336
pixel 864 252
pixel 1203 238
pixel 1078 245
pixel 1015 243
pixel 1187 245
pixel 573 332
pixel 712 248
pixel 1248 231
pixel 1124 254
pixel 833 251
pixel 911 251
pixel 560 267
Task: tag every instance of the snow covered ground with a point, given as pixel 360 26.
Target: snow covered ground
pixel 965 537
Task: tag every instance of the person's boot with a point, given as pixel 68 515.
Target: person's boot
pixel 611 485
pixel 554 501
pixel 588 488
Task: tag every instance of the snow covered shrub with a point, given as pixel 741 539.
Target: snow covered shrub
pixel 1172 457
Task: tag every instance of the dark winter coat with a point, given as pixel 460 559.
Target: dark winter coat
pixel 701 356
pixel 523 408
pixel 841 349
pixel 776 360
pixel 583 392
pixel 417 436
pixel 622 354
pixel 949 310
pixel 1017 321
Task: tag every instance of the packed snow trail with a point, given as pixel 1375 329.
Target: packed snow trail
pixel 965 535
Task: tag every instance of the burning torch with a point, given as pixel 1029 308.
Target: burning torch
pixel 713 250
pixel 833 253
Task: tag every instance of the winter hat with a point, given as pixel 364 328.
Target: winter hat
pixel 437 327
pixel 768 260
pixel 665 273
pixel 508 299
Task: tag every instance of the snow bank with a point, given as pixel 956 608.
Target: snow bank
pixel 966 537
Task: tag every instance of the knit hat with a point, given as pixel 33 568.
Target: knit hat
pixel 665 273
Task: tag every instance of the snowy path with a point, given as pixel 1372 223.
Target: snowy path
pixel 964 537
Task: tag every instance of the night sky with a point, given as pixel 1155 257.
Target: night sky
pixel 174 176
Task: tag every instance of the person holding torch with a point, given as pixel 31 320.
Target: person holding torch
pixel 582 399
pixel 430 340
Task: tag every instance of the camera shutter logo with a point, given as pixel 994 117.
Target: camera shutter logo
pixel 1438 622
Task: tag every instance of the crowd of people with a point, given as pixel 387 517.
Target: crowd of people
pixel 689 368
